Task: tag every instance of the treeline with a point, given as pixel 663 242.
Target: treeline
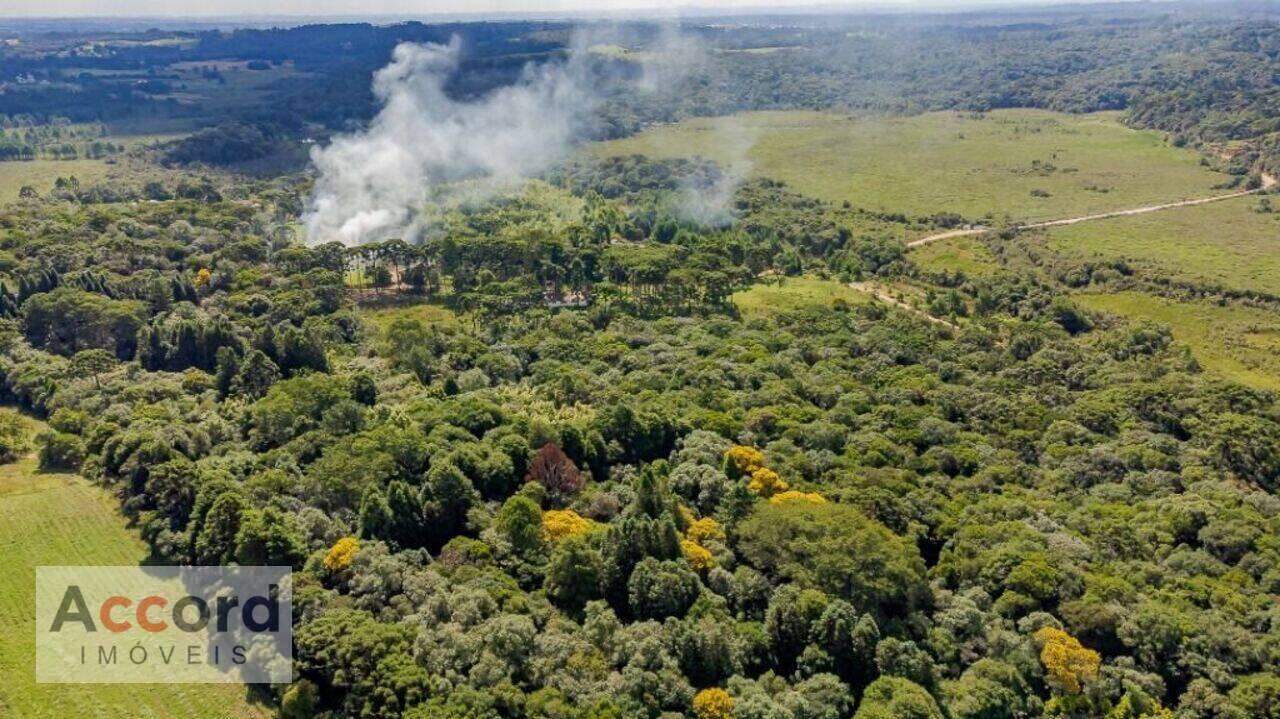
pixel 20 140
pixel 225 144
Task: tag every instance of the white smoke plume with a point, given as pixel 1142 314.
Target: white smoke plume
pixel 371 182
pixel 730 143
pixel 729 140
pixel 672 58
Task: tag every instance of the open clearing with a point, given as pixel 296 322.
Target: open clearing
pixel 1237 342
pixel 962 254
pixel 974 165
pixel 428 313
pixel 1225 243
pixel 53 519
pixel 41 174
pixel 793 293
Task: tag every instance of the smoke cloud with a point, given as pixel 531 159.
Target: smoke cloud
pixel 370 183
pixel 730 142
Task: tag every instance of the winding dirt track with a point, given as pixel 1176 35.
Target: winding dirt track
pixel 883 294
pixel 1267 183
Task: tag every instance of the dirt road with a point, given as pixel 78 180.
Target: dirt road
pixel 877 291
pixel 1268 181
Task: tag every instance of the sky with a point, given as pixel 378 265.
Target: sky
pixel 407 8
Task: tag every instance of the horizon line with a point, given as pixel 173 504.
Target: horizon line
pixel 640 11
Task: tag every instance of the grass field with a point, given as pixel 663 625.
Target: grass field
pixel 41 174
pixel 792 294
pixel 1223 243
pixel 425 312
pixel 974 165
pixel 960 254
pixel 1236 342
pixel 61 519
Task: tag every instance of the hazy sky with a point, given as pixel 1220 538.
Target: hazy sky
pixel 231 8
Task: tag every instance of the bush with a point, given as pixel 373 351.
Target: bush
pixel 69 420
pixel 61 451
pixel 15 436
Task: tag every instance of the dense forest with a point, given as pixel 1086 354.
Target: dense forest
pixel 652 505
pixel 543 465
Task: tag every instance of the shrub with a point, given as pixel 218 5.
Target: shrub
pixel 15 436
pixel 61 451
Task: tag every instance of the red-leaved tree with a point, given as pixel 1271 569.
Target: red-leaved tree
pixel 553 469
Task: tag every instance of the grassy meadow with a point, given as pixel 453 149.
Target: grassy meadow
pixel 793 293
pixel 381 317
pixel 1237 342
pixel 62 519
pixel 42 173
pixel 958 254
pixel 1223 243
pixel 1024 164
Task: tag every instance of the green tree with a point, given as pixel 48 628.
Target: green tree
pixel 660 589
pixel 897 698
pixel 835 548
pixel 269 538
pixel 520 522
pixel 1257 696
pixel 255 374
pixel 448 495
pixel 216 541
pixel 574 574
pixel 92 363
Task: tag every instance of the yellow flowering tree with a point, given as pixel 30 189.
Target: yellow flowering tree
pixel 765 483
pixel 741 461
pixel 1068 663
pixel 561 523
pixel 341 554
pixel 714 703
pixel 792 495
pixel 203 278
pixel 698 556
pixel 704 530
